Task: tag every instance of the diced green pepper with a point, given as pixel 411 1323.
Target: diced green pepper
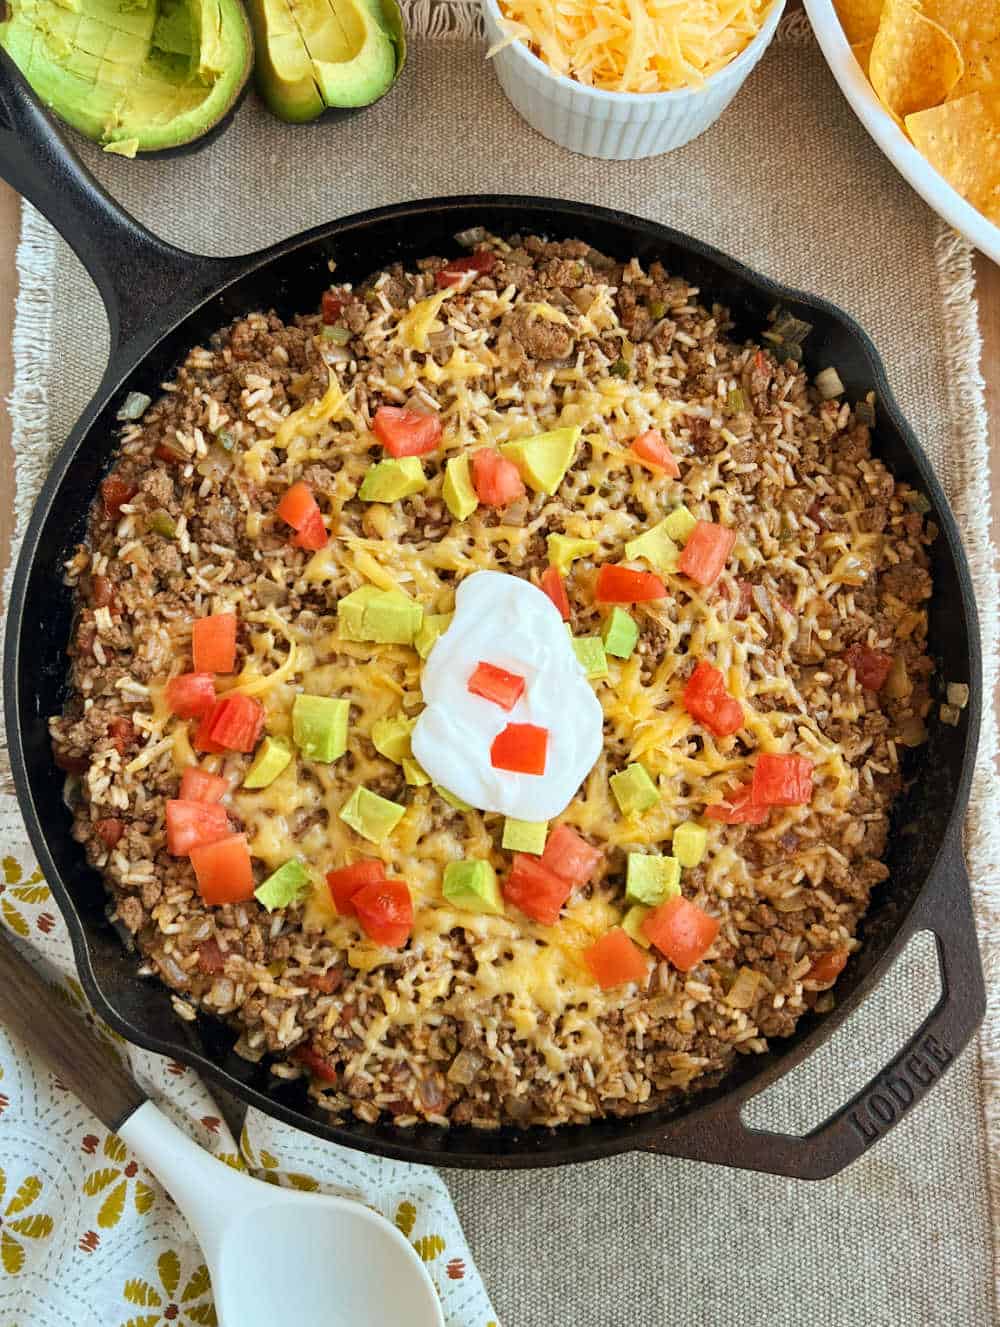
pixel 634 790
pixel 414 773
pixel 620 634
pixel 273 756
pixel 372 816
pixel 525 835
pixel 589 650
pixel 389 480
pixel 163 524
pixel 391 738
pixel 632 925
pixel 563 550
pixel 432 626
pixel 656 547
pixel 459 495
pixel 679 524
pixel 473 885
pixel 689 843
pixel 319 727
pixel 544 458
pixel 451 799
pixel 651 879
pixel 284 886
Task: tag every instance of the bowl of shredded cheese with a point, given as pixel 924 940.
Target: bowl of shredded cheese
pixel 623 79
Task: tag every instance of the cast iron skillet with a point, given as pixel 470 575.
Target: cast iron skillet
pixel 160 302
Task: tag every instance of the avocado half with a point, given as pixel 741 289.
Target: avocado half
pixel 134 75
pixel 319 55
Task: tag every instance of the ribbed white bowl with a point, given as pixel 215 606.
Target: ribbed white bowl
pixel 620 126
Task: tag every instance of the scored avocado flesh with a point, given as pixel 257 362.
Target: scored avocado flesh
pixel 315 54
pixel 154 75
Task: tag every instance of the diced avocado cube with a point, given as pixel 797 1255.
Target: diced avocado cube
pixel 284 886
pixel 272 757
pixel 632 925
pixel 563 550
pixel 634 790
pixel 655 547
pixel 372 816
pixel 473 885
pixel 433 626
pixel 620 633
pixel 544 458
pixel 391 738
pixel 392 619
pixel 451 799
pixel 689 843
pixel 319 727
pixel 679 524
pixel 387 481
pixel 589 650
pixel 651 879
pixel 459 495
pixel 414 773
pixel 525 835
pixel 351 612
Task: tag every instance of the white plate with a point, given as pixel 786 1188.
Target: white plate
pixel 931 186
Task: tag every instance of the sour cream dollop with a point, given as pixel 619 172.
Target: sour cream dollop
pixel 505 621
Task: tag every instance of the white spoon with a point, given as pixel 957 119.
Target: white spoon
pixel 275 1255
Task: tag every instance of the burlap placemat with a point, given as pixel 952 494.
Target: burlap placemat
pixel 788 182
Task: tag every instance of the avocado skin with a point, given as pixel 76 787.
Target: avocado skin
pixel 197 138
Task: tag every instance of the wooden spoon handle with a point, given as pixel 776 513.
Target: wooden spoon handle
pixel 31 1010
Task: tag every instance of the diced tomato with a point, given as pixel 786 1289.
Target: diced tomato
pixel 537 891
pixel 331 305
pixel 297 506
pixel 520 748
pixel 503 688
pixel 313 535
pixel 327 982
pixel 190 824
pixel 495 479
pixel 568 855
pixel 211 959
pixel 213 643
pixel 190 695
pixel 871 667
pixel 782 780
pixel 173 455
pixel 404 432
pixel 201 741
pixel 681 931
pixel 115 492
pixel 197 785
pixel 234 724
pixel 706 551
pixel 224 870
pixel 739 808
pixel 615 959
pixel 555 587
pixel 318 1065
pixel 122 734
pixel 621 585
pixel 102 594
pixel 707 700
pixel 385 911
pixel 457 268
pixel 71 764
pixel 110 831
pixel 827 967
pixel 653 451
pixel 345 882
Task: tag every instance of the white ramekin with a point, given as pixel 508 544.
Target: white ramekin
pixel 620 126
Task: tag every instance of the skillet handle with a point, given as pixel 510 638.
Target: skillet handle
pixel 945 908
pixel 135 271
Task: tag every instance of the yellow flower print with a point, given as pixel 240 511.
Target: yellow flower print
pixel 33 1225
pixel 32 891
pixel 113 1182
pixel 192 1305
pixel 71 993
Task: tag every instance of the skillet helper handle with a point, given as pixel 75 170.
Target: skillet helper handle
pixel 30 1009
pixel 946 909
pixel 133 269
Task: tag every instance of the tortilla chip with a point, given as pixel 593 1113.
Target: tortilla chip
pixel 862 52
pixel 975 26
pixel 914 62
pixel 858 18
pixel 961 140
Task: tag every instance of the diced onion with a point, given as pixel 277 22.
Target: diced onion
pixel 134 406
pixel 743 992
pixel 958 695
pixel 897 683
pixel 950 714
pixel 828 384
